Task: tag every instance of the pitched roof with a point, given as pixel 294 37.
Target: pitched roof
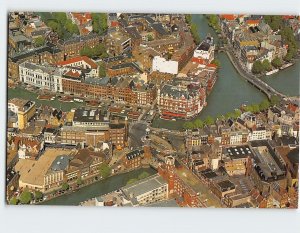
pixel 77 59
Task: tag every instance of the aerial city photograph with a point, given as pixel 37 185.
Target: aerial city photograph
pixel 152 110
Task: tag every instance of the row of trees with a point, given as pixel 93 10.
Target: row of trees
pixel 143 175
pixel 99 22
pixel 254 108
pixel 194 29
pixel 98 51
pixel 260 67
pixel 265 66
pixel 213 21
pixel 276 22
pixel 26 197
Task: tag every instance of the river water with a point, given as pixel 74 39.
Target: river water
pixel 99 188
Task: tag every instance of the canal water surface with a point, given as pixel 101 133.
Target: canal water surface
pixel 99 188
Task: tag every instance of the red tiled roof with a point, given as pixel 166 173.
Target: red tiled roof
pixel 198 60
pixel 228 17
pixel 82 17
pixel 77 59
pixel 212 65
pixel 114 24
pixel 73 74
pixel 288 16
pixel 253 21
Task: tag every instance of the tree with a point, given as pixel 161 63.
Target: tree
pixel 274 100
pixel 266 65
pixel 65 186
pixel 150 37
pixel 229 115
pixel 104 170
pixel 209 120
pixel 99 22
pixel 274 21
pixel 143 175
pixel 39 41
pixel 13 201
pixel 131 181
pixel 213 21
pixel 25 197
pixel 237 113
pixel 257 67
pixel 188 125
pixel 60 17
pixel 70 27
pixel 86 51
pixel 38 195
pixel 255 108
pixel 198 123
pixel 56 27
pixel 249 108
pixel 79 181
pixel 188 18
pixel 216 62
pixel 276 62
pixel 102 70
pixel 195 34
pixel 265 104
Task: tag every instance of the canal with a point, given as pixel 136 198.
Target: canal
pixel 24 94
pixel 99 188
pixel 231 90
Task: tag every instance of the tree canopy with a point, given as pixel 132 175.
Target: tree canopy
pixel 257 67
pixel 39 41
pixel 25 197
pixel 13 201
pixel 195 33
pixel 99 22
pixel 98 51
pixel 65 186
pixel 104 170
pixel 277 62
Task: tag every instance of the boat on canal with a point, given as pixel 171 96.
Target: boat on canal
pixel 272 72
pixel 286 66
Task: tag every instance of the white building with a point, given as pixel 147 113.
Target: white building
pixel 236 138
pixel 205 50
pixel 259 133
pixel 42 76
pixel 160 64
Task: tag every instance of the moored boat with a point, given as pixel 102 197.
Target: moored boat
pixel 272 72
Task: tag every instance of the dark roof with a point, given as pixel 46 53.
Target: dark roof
pixel 89 115
pixel 158 27
pixel 128 64
pixel 78 39
pixel 208 173
pixel 116 126
pixel 60 163
pixel 238 152
pixel 204 46
pixel 226 185
pixel 36 51
pixel 133 32
pixel 133 154
pixel 287 140
pixel 293 156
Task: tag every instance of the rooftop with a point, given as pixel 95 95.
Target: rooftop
pixel 143 186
